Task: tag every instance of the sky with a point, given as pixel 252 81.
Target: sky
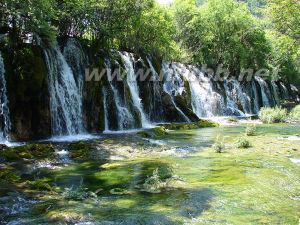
pixel 164 2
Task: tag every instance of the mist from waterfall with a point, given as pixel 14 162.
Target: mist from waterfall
pixel 65 95
pixel 5 125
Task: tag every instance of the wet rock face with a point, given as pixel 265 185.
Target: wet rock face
pixel 28 93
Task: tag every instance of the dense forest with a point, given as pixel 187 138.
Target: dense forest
pixel 236 34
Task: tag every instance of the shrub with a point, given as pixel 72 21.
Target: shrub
pixel 295 113
pixel 273 115
pixel 250 131
pixel 243 143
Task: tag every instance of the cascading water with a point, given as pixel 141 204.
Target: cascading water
pixel 285 92
pixel 205 101
pixel 133 87
pixel 238 99
pixel 77 60
pixel 295 91
pixel 156 104
pixel 275 90
pixel 65 96
pixel 125 118
pixel 173 86
pixel 255 97
pixel 265 92
pixel 232 100
pixel 5 125
pixel 106 124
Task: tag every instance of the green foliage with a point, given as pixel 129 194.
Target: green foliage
pixel 284 58
pixel 273 115
pixel 22 17
pixel 224 32
pixel 243 143
pixel 250 131
pixel 295 114
pixel 285 17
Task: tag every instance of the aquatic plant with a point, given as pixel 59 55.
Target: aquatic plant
pixel 243 143
pixel 250 131
pixel 219 145
pixel 75 193
pixel 273 115
pixel 160 178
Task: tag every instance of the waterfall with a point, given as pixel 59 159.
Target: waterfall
pixel 133 87
pixel 4 109
pixel 106 125
pixel 285 92
pixel 232 99
pixel 65 95
pixel 265 92
pixel 205 101
pixel 125 118
pixel 275 90
pixel 156 104
pixel 173 86
pixel 77 60
pixel 238 100
pixel 295 91
pixel 256 98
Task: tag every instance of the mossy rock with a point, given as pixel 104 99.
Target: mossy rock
pixel 190 126
pixel 119 191
pixel 154 132
pixel 80 150
pixel 8 174
pixel 40 184
pixel 31 151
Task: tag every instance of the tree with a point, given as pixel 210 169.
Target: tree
pixel 285 16
pixel 225 32
pixel 20 18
